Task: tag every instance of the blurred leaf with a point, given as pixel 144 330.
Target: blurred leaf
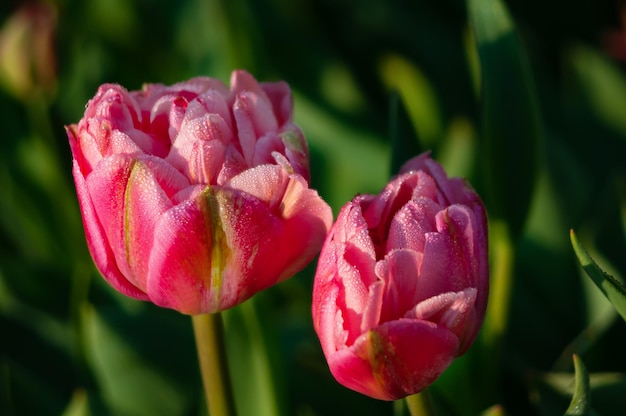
pixel 580 404
pixel 612 289
pixel 418 98
pixel 124 353
pixel 457 153
pixel 350 160
pixel 603 85
pixel 339 89
pixel 511 130
pixel 252 357
pixel 553 392
pixel 404 144
pixel 79 406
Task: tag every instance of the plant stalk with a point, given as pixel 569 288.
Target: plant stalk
pixel 420 404
pixel 209 333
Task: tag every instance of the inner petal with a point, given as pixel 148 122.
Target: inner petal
pixel 400 270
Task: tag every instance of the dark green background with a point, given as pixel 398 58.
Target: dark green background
pixel 70 345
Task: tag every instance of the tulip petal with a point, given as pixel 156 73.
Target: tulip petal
pixel 151 186
pixel 279 95
pixel 184 270
pixel 449 258
pixel 395 359
pixel 371 316
pixel 212 102
pixel 265 147
pixel 296 150
pixel 116 105
pixel 128 192
pixel 107 189
pixel 450 310
pixel 452 190
pixel 410 225
pixel 199 150
pixel 400 270
pixel 97 241
pixel 355 267
pixel 275 221
pixel 198 85
pixel 327 319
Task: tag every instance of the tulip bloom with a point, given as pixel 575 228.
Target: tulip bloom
pixel 402 281
pixel 195 196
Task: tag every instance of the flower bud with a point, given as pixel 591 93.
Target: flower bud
pixel 402 281
pixel 195 196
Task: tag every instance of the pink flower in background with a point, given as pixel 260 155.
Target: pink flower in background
pixel 402 282
pixel 195 196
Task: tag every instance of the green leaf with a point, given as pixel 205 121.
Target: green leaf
pixel 252 358
pixel 415 116
pixel 602 83
pixel 404 143
pixel 142 362
pixel 612 289
pixel 580 404
pixel 511 126
pixel 79 405
pixel 358 163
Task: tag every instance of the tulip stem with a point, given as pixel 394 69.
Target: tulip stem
pixel 420 404
pixel 209 333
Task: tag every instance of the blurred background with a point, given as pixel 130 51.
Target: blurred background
pixel 363 74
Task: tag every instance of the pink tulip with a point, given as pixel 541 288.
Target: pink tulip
pixel 402 281
pixel 194 196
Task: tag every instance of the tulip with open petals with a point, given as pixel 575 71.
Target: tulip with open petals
pixel 402 281
pixel 196 196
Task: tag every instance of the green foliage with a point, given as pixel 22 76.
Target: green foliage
pixel 512 132
pixel 613 289
pixel 580 404
pixel 521 98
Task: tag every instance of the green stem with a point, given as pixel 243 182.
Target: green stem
pixel 209 333
pixel 420 404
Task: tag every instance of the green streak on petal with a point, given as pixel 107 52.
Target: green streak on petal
pixel 379 354
pixel 292 140
pixel 128 223
pixel 220 250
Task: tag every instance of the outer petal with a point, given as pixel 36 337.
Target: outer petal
pixel 396 359
pixel 348 258
pixel 93 140
pixel 97 242
pixel 327 318
pixel 107 188
pixel 149 191
pixel 185 268
pixel 218 250
pixel 274 222
pixel 454 311
pixel 129 195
